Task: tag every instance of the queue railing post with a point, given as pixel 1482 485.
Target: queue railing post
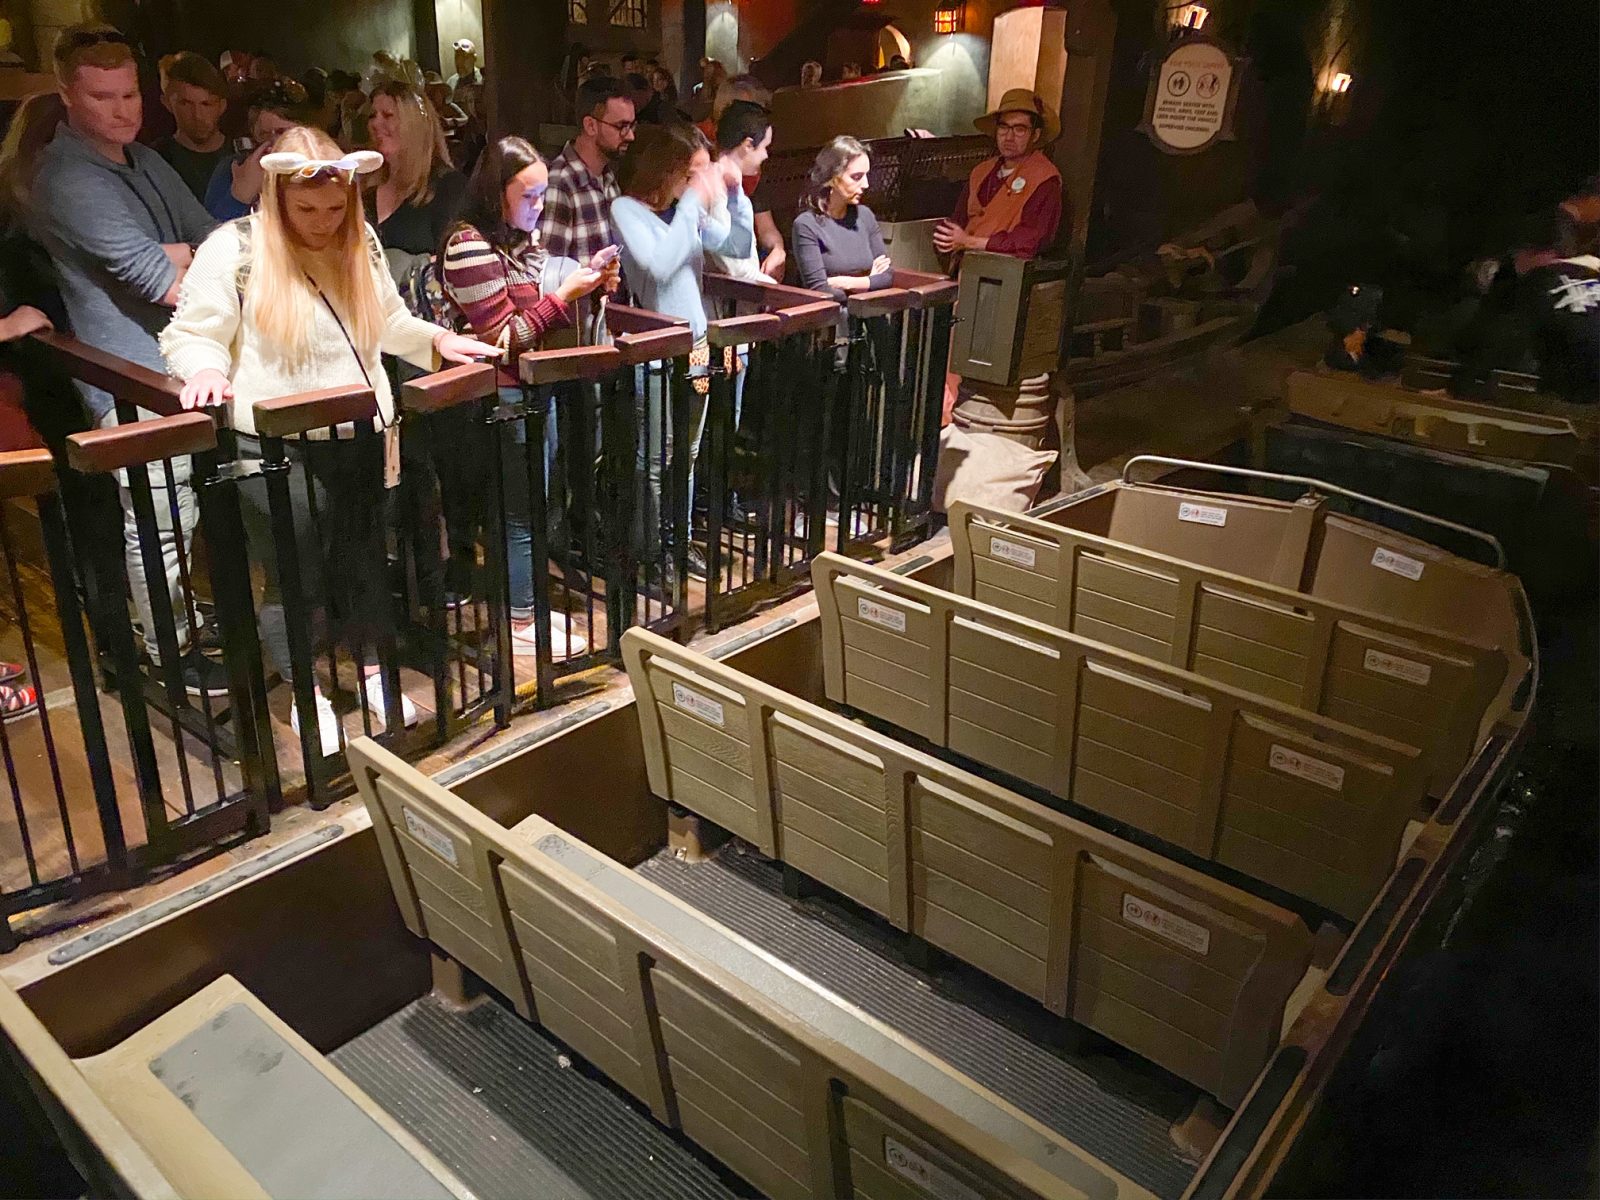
pixel 471 389
pixel 169 447
pixel 283 423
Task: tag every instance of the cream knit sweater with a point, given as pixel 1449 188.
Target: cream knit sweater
pixel 208 330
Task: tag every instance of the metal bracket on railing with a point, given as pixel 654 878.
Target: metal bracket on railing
pixel 1317 485
pixel 233 472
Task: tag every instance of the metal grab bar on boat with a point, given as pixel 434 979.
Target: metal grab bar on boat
pixel 1321 485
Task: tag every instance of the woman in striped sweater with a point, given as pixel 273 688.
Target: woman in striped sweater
pixel 511 294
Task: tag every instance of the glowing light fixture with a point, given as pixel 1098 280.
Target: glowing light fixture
pixel 1340 83
pixel 949 18
pixel 1190 16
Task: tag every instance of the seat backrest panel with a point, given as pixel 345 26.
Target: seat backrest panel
pixel 999 881
pixel 1170 752
pixel 1427 686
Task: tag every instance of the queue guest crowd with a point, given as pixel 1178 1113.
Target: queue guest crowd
pixel 352 232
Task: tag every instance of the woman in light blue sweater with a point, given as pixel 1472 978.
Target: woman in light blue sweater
pixel 677 203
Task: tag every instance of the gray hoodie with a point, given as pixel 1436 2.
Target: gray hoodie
pixel 104 224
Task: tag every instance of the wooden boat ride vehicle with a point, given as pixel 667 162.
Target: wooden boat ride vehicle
pixel 1521 465
pixel 1020 874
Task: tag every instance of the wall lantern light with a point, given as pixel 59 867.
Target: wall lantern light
pixel 1340 83
pixel 949 18
pixel 1190 16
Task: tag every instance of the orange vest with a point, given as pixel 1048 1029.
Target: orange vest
pixel 1003 212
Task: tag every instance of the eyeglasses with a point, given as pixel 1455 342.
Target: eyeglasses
pixel 620 126
pixel 1014 127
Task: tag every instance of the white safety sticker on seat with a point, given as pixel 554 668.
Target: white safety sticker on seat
pixel 431 836
pixel 703 707
pixel 932 1179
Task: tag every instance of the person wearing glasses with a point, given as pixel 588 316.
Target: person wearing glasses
pixel 577 207
pixel 1011 204
pixel 120 223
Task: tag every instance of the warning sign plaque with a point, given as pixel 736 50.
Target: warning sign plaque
pixel 1190 102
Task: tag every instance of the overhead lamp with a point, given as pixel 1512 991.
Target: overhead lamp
pixel 949 18
pixel 1190 16
pixel 1340 83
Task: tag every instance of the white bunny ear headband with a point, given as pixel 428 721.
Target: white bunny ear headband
pixel 298 166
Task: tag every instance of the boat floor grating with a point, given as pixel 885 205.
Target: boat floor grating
pixel 489 1095
pixel 1106 1100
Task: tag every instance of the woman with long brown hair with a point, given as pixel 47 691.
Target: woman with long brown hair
pixel 512 294
pixel 296 298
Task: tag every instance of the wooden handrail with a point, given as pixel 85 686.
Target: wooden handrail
pixel 820 314
pixel 623 318
pixel 150 390
pixel 573 362
pixel 745 330
pixel 648 347
pixel 26 473
pixel 880 302
pixel 448 388
pixel 116 447
pixel 753 291
pixel 286 416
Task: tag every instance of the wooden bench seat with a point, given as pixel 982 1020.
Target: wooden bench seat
pixel 1392 677
pixel 800 1093
pixel 227 1100
pixel 1295 800
pixel 1188 971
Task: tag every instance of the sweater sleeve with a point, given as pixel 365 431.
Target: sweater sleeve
pixel 91 212
pixel 808 256
pixel 220 202
pixel 739 240
pixel 205 327
pixel 404 335
pixel 475 280
pixel 882 279
pixel 657 249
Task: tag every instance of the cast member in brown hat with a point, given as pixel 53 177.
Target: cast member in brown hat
pixel 1012 202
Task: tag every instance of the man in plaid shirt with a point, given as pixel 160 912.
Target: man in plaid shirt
pixel 577 207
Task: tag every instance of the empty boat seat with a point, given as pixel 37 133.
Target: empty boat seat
pixel 1260 538
pixel 1188 971
pixel 227 1100
pixel 797 1091
pixel 1367 667
pixel 1298 801
pixel 1341 559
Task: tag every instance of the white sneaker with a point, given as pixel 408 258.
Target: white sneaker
pixel 564 643
pixel 372 689
pixel 328 728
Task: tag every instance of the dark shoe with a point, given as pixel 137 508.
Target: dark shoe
pixel 697 562
pixel 202 676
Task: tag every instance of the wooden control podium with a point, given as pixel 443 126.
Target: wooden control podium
pixel 1012 313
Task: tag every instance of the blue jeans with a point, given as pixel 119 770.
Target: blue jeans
pixel 519 498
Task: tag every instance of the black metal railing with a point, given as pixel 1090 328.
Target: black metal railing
pixel 234 594
pixel 126 592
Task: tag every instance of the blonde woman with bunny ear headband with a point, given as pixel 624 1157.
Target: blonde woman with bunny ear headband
pixel 295 298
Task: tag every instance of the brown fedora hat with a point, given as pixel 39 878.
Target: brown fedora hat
pixel 1022 100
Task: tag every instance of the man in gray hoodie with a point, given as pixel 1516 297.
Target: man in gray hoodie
pixel 121 226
